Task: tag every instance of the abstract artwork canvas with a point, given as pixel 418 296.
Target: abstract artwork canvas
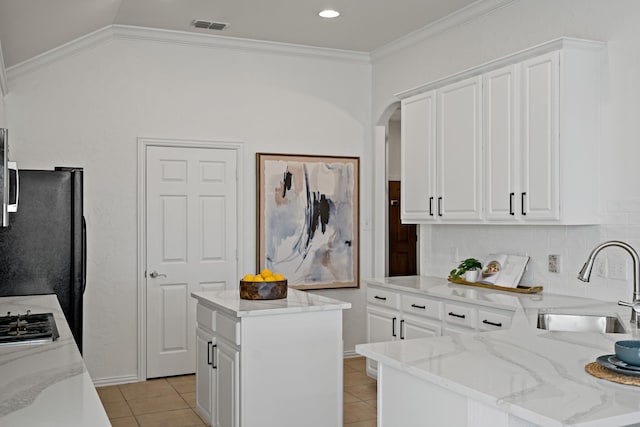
pixel 308 210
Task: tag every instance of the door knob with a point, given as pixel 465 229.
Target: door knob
pixel 155 274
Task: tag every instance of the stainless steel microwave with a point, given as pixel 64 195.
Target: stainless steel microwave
pixel 9 182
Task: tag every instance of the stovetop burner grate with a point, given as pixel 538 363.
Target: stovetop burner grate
pixel 28 327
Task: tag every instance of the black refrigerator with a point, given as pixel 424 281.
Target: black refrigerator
pixel 43 250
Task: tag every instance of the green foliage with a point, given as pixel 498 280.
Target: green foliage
pixel 468 264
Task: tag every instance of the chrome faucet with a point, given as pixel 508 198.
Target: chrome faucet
pixel 585 273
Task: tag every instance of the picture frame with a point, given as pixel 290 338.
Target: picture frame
pixel 308 211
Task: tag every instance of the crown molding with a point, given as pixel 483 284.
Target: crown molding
pixel 62 51
pixel 4 88
pixel 225 42
pixel 460 17
pixel 125 32
pixel 540 49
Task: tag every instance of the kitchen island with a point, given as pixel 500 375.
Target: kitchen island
pixel 522 376
pixel 269 362
pixel 46 384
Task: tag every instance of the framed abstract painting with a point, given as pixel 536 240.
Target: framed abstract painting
pixel 308 219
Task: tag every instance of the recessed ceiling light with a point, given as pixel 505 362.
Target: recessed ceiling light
pixel 329 13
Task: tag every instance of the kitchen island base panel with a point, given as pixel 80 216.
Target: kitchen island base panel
pixel 404 399
pixel 297 362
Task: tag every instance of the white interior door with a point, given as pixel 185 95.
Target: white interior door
pixel 191 245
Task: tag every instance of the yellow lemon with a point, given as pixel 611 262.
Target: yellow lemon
pixel 278 277
pixel 258 278
pixel 270 279
pixel 266 273
pixel 248 278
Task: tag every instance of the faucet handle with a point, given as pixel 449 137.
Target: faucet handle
pixel 635 305
pixel 635 314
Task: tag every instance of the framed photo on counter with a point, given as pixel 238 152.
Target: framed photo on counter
pixel 308 219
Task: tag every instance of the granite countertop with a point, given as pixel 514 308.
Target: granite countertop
pixel 296 302
pixel 46 384
pixel 533 374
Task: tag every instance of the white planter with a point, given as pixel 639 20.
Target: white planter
pixel 471 276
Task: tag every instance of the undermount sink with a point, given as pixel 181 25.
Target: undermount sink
pixel 580 323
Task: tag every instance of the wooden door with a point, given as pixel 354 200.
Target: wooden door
pixel 191 224
pixel 402 237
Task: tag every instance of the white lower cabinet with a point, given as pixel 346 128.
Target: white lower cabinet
pixel 398 315
pixel 205 382
pixel 227 397
pixel 282 369
pixel 413 327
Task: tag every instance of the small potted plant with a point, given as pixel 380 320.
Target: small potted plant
pixel 470 267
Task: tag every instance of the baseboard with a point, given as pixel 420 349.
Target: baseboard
pixel 350 353
pixel 101 382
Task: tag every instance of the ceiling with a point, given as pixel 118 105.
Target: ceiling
pixel 31 27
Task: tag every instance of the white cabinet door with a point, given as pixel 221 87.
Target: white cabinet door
pixel 501 143
pixel 418 137
pixel 411 328
pixel 226 408
pixel 204 373
pixel 540 137
pixel 459 151
pixel 382 325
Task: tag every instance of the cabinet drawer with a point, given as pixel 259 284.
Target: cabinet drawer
pixel 206 317
pixel 460 315
pixel 493 321
pixel 421 306
pixel 382 297
pixel 228 328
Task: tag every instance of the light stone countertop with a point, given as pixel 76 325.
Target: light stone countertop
pixel 295 302
pixel 46 384
pixel 533 374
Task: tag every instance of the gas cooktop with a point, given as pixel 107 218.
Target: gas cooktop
pixel 27 328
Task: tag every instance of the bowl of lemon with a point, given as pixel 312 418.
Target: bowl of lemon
pixel 264 285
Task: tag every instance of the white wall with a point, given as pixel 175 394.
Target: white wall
pixel 393 151
pixel 520 25
pixel 3 119
pixel 87 109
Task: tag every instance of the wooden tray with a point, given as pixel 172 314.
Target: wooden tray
pixel 520 289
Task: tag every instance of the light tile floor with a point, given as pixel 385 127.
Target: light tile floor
pixel 171 401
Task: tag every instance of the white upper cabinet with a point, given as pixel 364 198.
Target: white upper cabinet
pixel 539 196
pixel 516 140
pixel 459 151
pixel 501 143
pixel 418 157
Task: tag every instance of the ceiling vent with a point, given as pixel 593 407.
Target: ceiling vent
pixel 209 25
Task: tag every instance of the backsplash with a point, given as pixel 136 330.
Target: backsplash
pixel 572 243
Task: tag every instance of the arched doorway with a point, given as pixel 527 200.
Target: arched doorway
pixel 400 256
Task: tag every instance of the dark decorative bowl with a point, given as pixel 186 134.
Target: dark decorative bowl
pixel 628 351
pixel 263 290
